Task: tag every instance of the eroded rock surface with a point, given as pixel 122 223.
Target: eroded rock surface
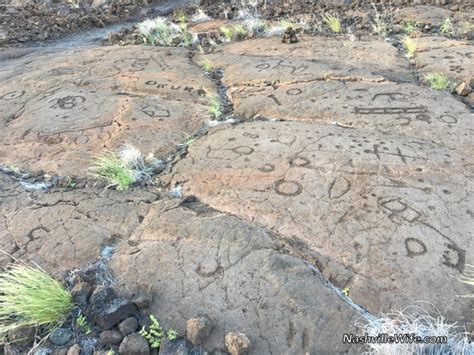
pixel 216 264
pixel 387 215
pixel 328 80
pixel 58 109
pixel 63 230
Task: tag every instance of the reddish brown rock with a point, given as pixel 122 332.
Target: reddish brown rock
pixel 73 104
pixel 386 215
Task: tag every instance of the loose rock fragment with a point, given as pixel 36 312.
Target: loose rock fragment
pixel 198 329
pixel 237 343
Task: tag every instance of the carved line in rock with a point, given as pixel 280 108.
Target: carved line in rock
pixel 295 70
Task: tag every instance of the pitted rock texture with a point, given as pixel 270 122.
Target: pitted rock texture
pixel 58 109
pixel 388 216
pixel 63 230
pixel 217 264
pixel 454 58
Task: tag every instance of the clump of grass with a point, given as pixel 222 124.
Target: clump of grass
pixel 161 31
pixel 227 32
pixel 438 81
pixel 207 65
pixel 158 31
pixel 408 27
pixel 410 46
pixel 123 169
pixel 381 20
pixel 215 108
pixel 181 17
pixel 110 168
pixel 200 16
pixel 333 23
pixel 29 297
pixel 420 324
pixel 468 278
pixel 287 24
pixel 447 27
pixel 240 31
pixel 255 25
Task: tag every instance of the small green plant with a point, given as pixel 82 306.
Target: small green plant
pixel 181 16
pixel 29 297
pixel 110 352
pixel 171 334
pixel 333 23
pixel 408 27
pixel 84 324
pixel 110 168
pixel 410 46
pixel 240 31
pixel 438 81
pixel 215 108
pixel 345 291
pixel 447 27
pixel 227 32
pixel 207 65
pixel 286 24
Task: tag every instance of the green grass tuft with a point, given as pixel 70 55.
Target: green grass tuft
pixel 438 81
pixel 110 168
pixel 410 46
pixel 29 297
pixel 215 107
pixel 207 65
pixel 408 27
pixel 333 23
pixel 227 32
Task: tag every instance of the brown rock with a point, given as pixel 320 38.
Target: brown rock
pixel 134 344
pixel 463 89
pixel 436 54
pixel 74 350
pixel 278 169
pixel 237 343
pixel 221 251
pixel 110 337
pixel 81 292
pixel 198 329
pixel 113 95
pixel 128 326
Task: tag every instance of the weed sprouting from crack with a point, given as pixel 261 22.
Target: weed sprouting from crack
pixel 438 81
pixel 215 108
pixel 123 169
pixel 410 46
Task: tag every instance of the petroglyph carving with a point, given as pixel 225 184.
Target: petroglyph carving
pixel 287 188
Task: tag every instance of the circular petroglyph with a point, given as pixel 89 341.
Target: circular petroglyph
pixel 243 150
pixel 267 168
pixel 415 247
pixel 288 188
